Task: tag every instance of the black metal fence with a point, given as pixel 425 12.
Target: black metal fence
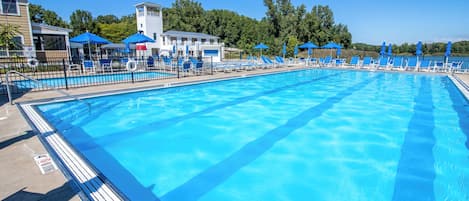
pixel 65 73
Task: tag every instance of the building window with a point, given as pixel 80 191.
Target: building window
pixel 140 11
pixel 16 45
pixel 9 7
pixel 153 11
pixel 49 42
pixel 15 50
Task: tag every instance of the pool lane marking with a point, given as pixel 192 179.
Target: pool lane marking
pixel 205 181
pixel 416 173
pixel 114 137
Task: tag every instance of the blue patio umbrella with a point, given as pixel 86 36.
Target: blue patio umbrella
pixel 390 49
pixel 187 50
pixel 174 49
pixel 261 46
pixel 284 49
pixel 89 38
pixel 339 52
pixel 383 49
pixel 138 38
pixel 448 49
pixel 331 45
pixel 309 45
pixel 418 50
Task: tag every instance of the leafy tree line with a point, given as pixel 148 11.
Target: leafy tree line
pixel 283 23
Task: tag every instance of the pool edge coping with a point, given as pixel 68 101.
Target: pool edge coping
pixel 87 181
pixel 461 85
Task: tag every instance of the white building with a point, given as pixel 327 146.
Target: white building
pixel 150 22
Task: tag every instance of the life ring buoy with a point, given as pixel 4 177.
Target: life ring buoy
pixel 131 65
pixel 32 62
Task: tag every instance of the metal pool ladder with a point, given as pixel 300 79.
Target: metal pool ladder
pixel 10 99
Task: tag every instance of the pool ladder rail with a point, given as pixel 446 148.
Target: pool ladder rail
pixel 10 99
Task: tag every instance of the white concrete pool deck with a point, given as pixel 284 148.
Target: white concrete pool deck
pixel 20 178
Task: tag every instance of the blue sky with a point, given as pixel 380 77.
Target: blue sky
pixel 369 21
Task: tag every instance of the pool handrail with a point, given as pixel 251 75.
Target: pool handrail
pixel 10 99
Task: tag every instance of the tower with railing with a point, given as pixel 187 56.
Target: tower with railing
pixel 150 22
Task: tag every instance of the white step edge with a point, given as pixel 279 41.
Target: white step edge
pixel 87 179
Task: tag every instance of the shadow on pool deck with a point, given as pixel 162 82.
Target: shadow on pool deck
pixel 6 143
pixel 64 192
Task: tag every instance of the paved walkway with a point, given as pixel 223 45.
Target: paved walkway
pixel 20 178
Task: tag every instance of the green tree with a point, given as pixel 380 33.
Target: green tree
pixel 7 33
pixel 107 19
pixel 184 15
pixel 40 15
pixel 82 21
pixel 116 32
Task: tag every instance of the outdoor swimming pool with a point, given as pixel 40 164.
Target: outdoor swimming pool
pixel 302 135
pixel 90 79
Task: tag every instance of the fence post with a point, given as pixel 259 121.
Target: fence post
pixel 177 65
pixel 211 65
pixel 132 75
pixel 65 73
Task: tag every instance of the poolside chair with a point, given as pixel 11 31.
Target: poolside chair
pixel 88 66
pixel 150 62
pixel 198 65
pixel 267 61
pixel 279 60
pixel 424 65
pixel 455 66
pixel 105 65
pixel 411 63
pixel 186 66
pixel 397 63
pixel 383 62
pixel 314 61
pixel 438 66
pixel 366 62
pixel 354 61
pixel 327 61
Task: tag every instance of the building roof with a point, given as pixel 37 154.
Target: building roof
pixel 188 34
pixel 148 4
pixel 50 27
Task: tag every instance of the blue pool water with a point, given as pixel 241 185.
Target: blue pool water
pixel 91 79
pixel 305 135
